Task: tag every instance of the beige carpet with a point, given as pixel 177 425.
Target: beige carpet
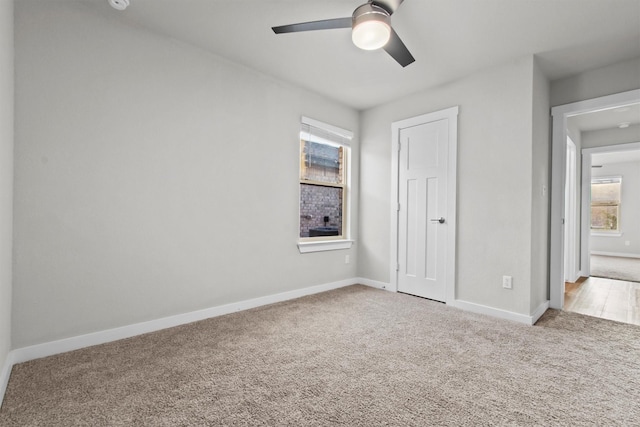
pixel 619 268
pixel 353 357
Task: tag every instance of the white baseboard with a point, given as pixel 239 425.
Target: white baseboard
pixel 374 283
pixel 51 348
pixel 5 373
pixel 74 343
pixel 473 307
pixel 575 279
pixel 502 314
pixel 537 314
pixel 617 254
pixel 37 351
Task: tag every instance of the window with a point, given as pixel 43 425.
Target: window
pixel 605 204
pixel 324 191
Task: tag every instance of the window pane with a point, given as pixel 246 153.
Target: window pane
pixel 604 218
pixel 320 211
pixel 321 162
pixel 605 193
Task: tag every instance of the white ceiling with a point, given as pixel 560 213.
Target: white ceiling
pixel 448 38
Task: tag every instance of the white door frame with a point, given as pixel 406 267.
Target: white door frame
pixel 558 174
pixel 451 114
pixel 571 272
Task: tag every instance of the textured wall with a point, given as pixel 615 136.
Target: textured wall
pixel 494 183
pixel 6 176
pixel 152 178
pixel 614 78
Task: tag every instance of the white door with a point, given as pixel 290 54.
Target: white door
pixel 423 217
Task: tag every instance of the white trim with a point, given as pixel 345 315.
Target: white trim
pixel 558 153
pixel 374 284
pixel 68 344
pixel 616 254
pixel 585 212
pixel 394 205
pixel 451 114
pixel 345 242
pixel 502 314
pixel 538 312
pixel 325 245
pixel 603 234
pixel 472 307
pixel 5 374
pixel 575 278
pixel 571 219
pixel 51 348
pixel 344 133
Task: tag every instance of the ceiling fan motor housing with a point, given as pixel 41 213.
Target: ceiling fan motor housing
pixel 371 27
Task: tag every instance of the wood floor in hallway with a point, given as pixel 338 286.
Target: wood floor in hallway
pixel 605 298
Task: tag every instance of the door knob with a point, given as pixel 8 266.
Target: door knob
pixel 440 220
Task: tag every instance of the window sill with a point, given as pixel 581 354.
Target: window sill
pixel 615 234
pixel 325 245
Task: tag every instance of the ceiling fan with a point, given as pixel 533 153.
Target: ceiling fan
pixel 370 29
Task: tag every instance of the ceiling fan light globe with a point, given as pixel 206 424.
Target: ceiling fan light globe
pixel 371 27
pixel 371 35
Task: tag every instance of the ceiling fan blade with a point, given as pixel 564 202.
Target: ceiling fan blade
pixel 326 24
pixel 388 5
pixel 398 51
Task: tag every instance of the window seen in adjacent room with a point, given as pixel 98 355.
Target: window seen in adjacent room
pixel 605 204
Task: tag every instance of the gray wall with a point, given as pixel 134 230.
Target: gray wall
pixel 6 174
pixel 495 171
pixel 152 178
pixel 615 78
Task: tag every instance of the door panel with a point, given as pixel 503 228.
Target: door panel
pixel 432 229
pixel 412 227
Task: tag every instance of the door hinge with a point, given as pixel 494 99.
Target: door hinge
pixel 399 145
pixel 398 207
pixel 397 266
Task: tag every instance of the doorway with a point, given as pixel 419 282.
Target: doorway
pixel 563 116
pixel 423 218
pixel 610 285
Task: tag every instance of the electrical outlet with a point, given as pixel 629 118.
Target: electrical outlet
pixel 507 282
pixel 346 259
pixel 627 243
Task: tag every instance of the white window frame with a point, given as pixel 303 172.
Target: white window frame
pixel 317 131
